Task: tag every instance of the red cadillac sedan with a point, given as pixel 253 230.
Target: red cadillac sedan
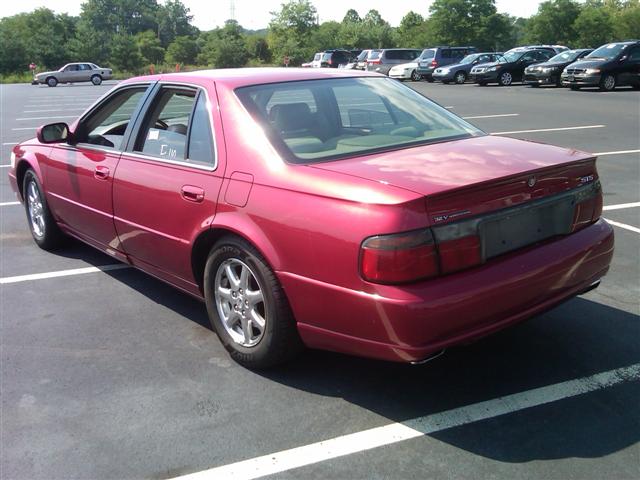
pixel 332 209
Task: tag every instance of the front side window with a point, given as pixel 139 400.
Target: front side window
pixel 71 68
pixel 352 116
pixel 106 126
pixel 164 131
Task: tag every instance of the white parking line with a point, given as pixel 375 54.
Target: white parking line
pixel 6 204
pixel 623 225
pixel 5 166
pixel 24 128
pixel 416 427
pixel 493 116
pixel 9 143
pixel 559 129
pixel 66 109
pixel 45 118
pixel 621 206
pixel 619 152
pixel 62 273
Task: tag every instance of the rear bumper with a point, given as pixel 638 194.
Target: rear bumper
pixel 412 322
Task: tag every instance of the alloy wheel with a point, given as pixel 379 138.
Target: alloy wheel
pixel 240 302
pixel 609 82
pixel 460 77
pixel 506 79
pixel 36 210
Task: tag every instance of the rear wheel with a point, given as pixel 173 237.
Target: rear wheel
pixel 247 306
pixel 44 229
pixel 96 80
pixel 608 83
pixel 505 79
pixel 575 87
pixel 415 76
pixel 52 81
pixel 461 77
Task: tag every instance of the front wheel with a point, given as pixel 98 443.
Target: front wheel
pixel 415 76
pixel 460 77
pixel 52 81
pixel 247 306
pixel 44 229
pixel 505 79
pixel 608 83
pixel 96 80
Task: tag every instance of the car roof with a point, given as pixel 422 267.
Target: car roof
pixel 240 77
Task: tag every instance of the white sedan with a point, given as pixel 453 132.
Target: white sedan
pixel 406 71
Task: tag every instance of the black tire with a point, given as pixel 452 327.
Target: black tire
pixel 415 76
pixel 460 77
pixel 279 340
pixel 482 84
pixel 575 88
pixel 48 235
pixel 505 79
pixel 96 80
pixel 608 83
pixel 52 81
pixel 429 79
pixel 446 82
pixel 534 85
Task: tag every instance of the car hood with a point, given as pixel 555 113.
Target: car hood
pixel 431 169
pixel 52 72
pixel 589 63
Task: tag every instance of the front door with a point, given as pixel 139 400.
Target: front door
pixel 79 177
pixel 166 186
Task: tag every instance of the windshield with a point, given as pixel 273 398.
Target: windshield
pixel 317 57
pixel 608 52
pixel 427 53
pixel 510 57
pixel 568 56
pixel 363 55
pixel 315 120
pixel 469 58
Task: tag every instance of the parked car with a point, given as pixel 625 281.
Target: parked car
pixel 315 63
pixel 361 60
pixel 551 48
pixel 432 58
pixel 75 73
pixel 509 68
pixel 387 228
pixel 381 61
pixel 334 58
pixel 611 65
pixel 405 71
pixel 548 73
pixel 459 72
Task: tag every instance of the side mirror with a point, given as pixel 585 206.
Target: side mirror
pixel 53 133
pixel 623 58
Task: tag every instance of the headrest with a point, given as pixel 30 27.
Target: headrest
pixel 291 116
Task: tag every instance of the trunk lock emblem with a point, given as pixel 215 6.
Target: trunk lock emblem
pixel 531 181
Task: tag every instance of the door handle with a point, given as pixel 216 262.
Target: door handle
pixel 101 172
pixel 192 194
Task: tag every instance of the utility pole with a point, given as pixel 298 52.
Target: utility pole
pixel 232 10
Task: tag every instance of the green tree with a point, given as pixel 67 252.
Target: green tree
pixel 182 50
pixel 150 47
pixel 554 22
pixel 13 54
pixel 225 47
pixel 627 20
pixel 174 20
pixel 326 35
pixel 412 31
pixel 91 45
pixel 121 16
pixel 258 47
pixel 351 17
pixel 125 54
pixel 290 31
pixel 594 26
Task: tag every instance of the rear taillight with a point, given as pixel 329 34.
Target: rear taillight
pixel 377 61
pixel 460 253
pixel 399 258
pixel 434 64
pixel 588 208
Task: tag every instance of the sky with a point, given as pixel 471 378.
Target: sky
pixel 254 14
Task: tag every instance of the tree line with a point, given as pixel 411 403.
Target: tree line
pixel 132 35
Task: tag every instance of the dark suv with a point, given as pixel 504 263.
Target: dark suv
pixel 510 67
pixel 333 58
pixel 432 58
pixel 459 72
pixel 611 65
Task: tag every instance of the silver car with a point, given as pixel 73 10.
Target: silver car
pixel 75 72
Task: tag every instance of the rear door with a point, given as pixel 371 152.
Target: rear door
pixel 167 183
pixel 79 177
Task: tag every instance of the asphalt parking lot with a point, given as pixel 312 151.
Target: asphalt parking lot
pixel 111 374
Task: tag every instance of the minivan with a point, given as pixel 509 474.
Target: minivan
pixel 381 61
pixel 432 58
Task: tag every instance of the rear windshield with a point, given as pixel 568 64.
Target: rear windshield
pixel 428 53
pixel 317 120
pixel 375 54
pixel 363 55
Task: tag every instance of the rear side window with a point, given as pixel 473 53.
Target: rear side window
pixel 445 53
pixel 201 148
pixel 427 54
pixel 394 55
pixel 374 54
